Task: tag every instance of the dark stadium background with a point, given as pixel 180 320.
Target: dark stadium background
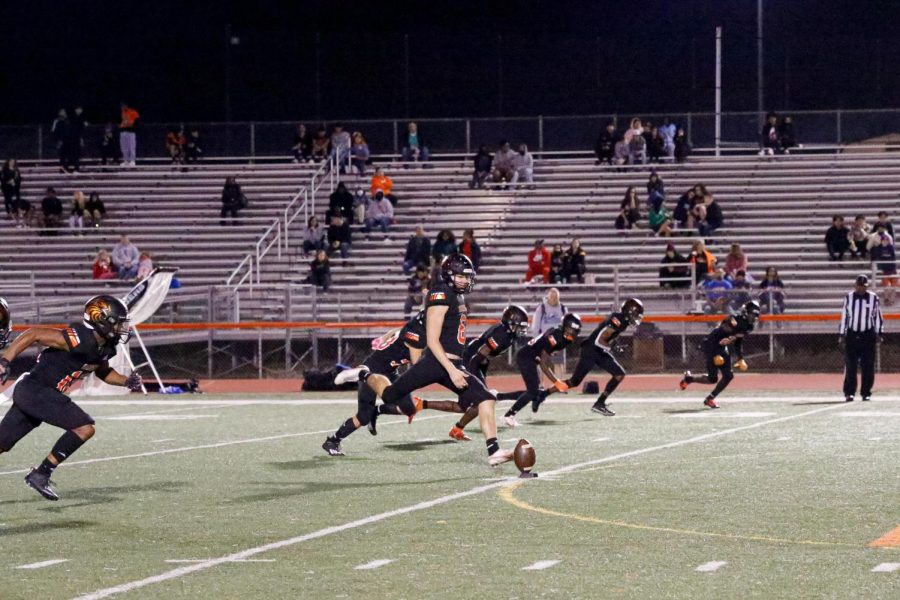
pixel 327 59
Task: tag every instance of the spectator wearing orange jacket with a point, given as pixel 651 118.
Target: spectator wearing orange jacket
pixel 128 136
pixel 383 183
pixel 538 262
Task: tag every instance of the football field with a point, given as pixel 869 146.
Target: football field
pixel 227 496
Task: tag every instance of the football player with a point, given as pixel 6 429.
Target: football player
pixel 717 347
pixel 538 352
pixel 39 396
pixel 5 323
pixel 445 332
pixel 392 350
pixel 597 351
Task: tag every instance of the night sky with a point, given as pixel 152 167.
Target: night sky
pixel 464 58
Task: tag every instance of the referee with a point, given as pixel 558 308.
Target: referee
pixel 861 329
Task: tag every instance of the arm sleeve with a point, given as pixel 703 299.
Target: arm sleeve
pixel 845 315
pixel 879 320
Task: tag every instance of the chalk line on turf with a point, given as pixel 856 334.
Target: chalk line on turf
pixel 541 565
pixel 711 566
pixel 250 552
pixel 44 563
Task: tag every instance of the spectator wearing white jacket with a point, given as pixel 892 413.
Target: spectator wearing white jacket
pixel 548 314
pixel 380 212
pixel 523 166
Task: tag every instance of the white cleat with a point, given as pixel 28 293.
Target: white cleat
pixel 499 457
pixel 347 376
pixel 511 421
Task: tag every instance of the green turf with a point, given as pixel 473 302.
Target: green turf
pixel 635 527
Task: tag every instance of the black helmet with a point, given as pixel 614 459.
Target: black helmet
pixel 108 316
pixel 633 309
pixel 571 326
pixel 5 323
pixel 458 264
pixel 515 318
pixel 751 310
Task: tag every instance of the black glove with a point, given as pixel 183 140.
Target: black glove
pixel 134 382
pixel 4 370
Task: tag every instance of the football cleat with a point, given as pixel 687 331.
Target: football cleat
pixel 682 385
pixel 371 424
pixel 511 421
pixel 347 376
pixel 866 398
pixel 41 484
pixel 332 447
pixel 536 403
pixel 600 408
pixel 459 435
pixel 499 457
pixel 418 403
pixel 848 399
pixel 711 403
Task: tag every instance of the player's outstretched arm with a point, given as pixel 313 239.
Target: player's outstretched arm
pixel 45 336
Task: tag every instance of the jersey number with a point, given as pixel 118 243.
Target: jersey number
pixel 66 381
pixel 461 331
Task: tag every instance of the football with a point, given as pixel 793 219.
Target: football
pixel 524 456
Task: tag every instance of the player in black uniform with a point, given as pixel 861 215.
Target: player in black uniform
pixel 39 396
pixel 5 323
pixel 395 349
pixel 717 349
pixel 597 351
pixel 538 352
pixel 445 332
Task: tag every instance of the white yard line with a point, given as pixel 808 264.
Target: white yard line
pixel 541 565
pixel 268 438
pixel 718 414
pixel 886 568
pixel 45 563
pixel 373 564
pixel 251 552
pixel 711 566
pixel 200 560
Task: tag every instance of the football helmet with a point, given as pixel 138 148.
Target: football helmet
pixel 750 310
pixel 5 323
pixel 455 265
pixel 108 316
pixel 633 309
pixel 515 318
pixel 571 326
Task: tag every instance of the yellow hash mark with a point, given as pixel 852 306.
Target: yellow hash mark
pixel 507 494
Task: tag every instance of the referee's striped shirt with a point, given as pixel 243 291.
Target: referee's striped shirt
pixel 861 313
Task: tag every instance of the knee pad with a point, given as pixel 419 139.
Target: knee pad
pixel 390 396
pixel 364 415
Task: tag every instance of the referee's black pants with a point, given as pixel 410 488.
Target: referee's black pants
pixel 860 352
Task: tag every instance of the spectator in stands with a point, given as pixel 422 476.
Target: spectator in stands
pixel 11 185
pixel 629 210
pixel 656 146
pixel 59 129
pixel 859 234
pixel 320 145
pixel 482 162
pixel 683 209
pixel 416 287
pixel 339 236
pixel 95 209
pixel 128 135
pixel 23 213
pixel 175 144
pixel 233 199
pixel 675 272
pixel 444 245
pixel 884 258
pixel 837 238
pixel 771 298
pixel 735 261
pixel 740 291
pixel 884 220
pixel 668 130
pixel 717 290
pixel 504 163
pixel 704 261
pixel 77 126
pixel 313 236
pixel 340 145
pixel 786 134
pixel 712 216
pixel 574 266
pixel 340 202
pixel 606 144
pixel 656 188
pixel 79 211
pixel 557 264
pixel 125 258
pixel 193 150
pixel 382 183
pixel 523 166
pixel 770 139
pixel 109 148
pixel 52 209
pixel 538 263
pixel 414 149
pixel 874 238
pixel 103 267
pixel 418 251
pixel 320 271
pixel 636 143
pixel 145 266
pixel 379 213
pixel 303 145
pixel 359 153
pixel 469 246
pixel 548 314
pixel 682 146
pixel 659 218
